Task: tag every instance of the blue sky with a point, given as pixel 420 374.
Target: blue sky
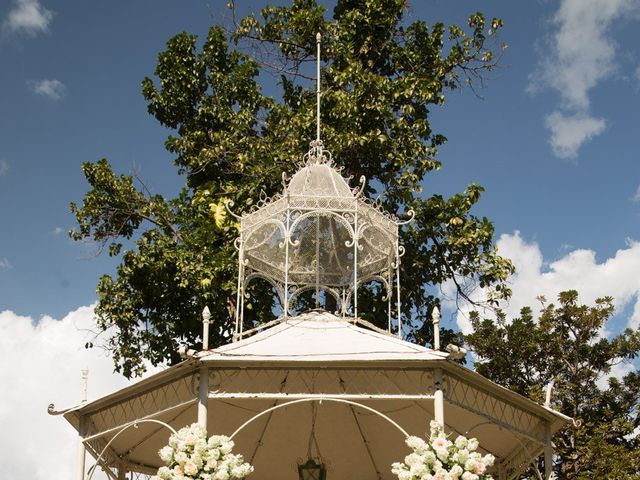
pixel 70 92
pixel 554 140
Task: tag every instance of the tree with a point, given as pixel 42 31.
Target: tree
pixel 381 77
pixel 567 345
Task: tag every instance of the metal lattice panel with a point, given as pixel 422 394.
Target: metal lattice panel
pixel 520 459
pixel 493 408
pixel 139 476
pixel 163 397
pixel 109 459
pixel 334 382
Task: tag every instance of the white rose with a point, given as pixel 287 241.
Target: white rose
pixel 226 447
pixel 164 473
pixel 488 460
pixel 441 475
pixel 443 454
pixel 456 471
pixel 166 454
pixel 473 444
pixel 404 475
pixel 429 457
pixel 201 446
pixel 241 471
pixel 418 469
pixel 190 468
pixel 197 460
pixel 480 468
pixel 417 444
pixel 221 475
pixel 216 440
pixel 463 456
pixel 461 442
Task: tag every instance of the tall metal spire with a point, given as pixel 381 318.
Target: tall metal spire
pixel 318 38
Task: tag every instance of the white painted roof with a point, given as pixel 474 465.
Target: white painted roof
pixel 321 336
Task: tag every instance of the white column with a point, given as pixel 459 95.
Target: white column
pixel 203 398
pixel 82 451
pixel 399 305
pixel 548 454
pixel 438 400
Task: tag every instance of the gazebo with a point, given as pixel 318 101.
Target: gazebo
pixel 320 393
pixel 319 387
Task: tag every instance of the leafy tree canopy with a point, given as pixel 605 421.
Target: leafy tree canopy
pixel 381 77
pixel 567 345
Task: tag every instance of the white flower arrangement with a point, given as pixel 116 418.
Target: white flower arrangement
pixel 441 459
pixel 190 455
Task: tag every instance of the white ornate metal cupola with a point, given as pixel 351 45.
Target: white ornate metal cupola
pixel 321 236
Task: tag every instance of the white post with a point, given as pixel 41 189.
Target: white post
pixel 287 239
pixel 438 397
pixel 548 454
pixel 318 38
pixel 81 429
pixel 240 292
pixel 389 295
pixel 398 289
pixel 435 317
pixel 203 399
pixel 206 317
pixel 355 262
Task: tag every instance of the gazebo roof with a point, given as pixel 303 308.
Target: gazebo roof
pixel 320 336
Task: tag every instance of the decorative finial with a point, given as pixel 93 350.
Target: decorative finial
pixel 435 317
pixel 85 381
pixel 206 316
pixel 317 154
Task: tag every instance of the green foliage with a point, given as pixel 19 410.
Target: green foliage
pixel 565 345
pixel 381 78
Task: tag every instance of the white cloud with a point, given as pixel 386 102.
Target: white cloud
pixel 581 54
pixel 28 16
pixel 636 196
pixel 53 89
pixel 57 231
pixel 618 371
pixel 578 270
pixel 569 132
pixel 40 363
pixel 5 264
pixel 4 167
